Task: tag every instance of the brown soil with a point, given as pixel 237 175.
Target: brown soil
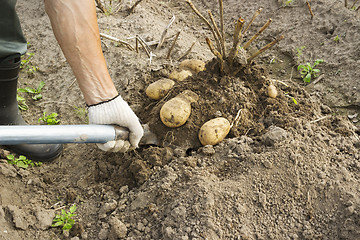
pixel 285 171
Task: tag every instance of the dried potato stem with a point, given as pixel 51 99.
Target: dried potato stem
pixel 257 34
pixel 172 45
pixel 252 20
pixel 188 51
pixel 354 4
pixel 163 35
pixel 222 42
pixel 134 6
pixel 206 21
pixel 221 6
pixel 236 39
pixel 101 6
pixel 311 12
pixel 216 53
pixel 265 48
pixel 144 45
pixel 116 40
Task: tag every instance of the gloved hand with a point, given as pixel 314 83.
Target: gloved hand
pixel 117 112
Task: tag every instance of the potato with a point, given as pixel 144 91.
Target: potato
pixel 159 89
pixel 180 75
pixel 193 65
pixel 176 111
pixel 214 131
pixel 272 92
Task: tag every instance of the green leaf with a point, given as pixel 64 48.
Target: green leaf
pixel 41 85
pixel 301 67
pixel 307 78
pixel 21 164
pixel 37 97
pixel 57 224
pixel 294 100
pixel 316 70
pixel 67 226
pixel 73 208
pixel 10 157
pixel 22 158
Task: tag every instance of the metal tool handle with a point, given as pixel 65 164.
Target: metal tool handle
pixel 51 134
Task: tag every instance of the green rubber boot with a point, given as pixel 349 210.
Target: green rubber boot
pixel 10 114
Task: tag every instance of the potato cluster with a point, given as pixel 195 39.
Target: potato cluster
pixel 176 111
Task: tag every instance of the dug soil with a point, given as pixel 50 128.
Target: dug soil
pixel 288 169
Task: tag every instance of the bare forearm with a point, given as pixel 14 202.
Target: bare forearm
pixel 75 27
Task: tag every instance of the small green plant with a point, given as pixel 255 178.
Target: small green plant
pixel 309 71
pixel 291 97
pixel 288 2
pixel 35 92
pixel 80 112
pixel 108 7
pixel 336 38
pixel 49 119
pixel 21 161
pixel 299 51
pixel 65 219
pixel 26 64
pixel 22 103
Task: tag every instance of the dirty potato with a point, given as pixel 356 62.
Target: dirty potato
pixel 159 89
pixel 272 92
pixel 176 111
pixel 180 75
pixel 193 65
pixel 214 131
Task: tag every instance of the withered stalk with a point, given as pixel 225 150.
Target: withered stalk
pixel 206 21
pixel 117 40
pixel 101 6
pixel 188 51
pixel 163 35
pixel 311 12
pixel 265 48
pixel 134 6
pixel 236 40
pixel 346 3
pixel 216 53
pixel 137 45
pixel 354 4
pixel 221 6
pixel 144 45
pixel 257 34
pixel 252 20
pixel 172 45
pixel 222 42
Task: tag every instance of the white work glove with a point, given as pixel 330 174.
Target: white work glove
pixel 117 112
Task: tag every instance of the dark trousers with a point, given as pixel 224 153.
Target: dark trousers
pixel 12 40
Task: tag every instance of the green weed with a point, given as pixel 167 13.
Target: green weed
pixel 80 112
pixel 108 7
pixel 26 64
pixel 336 38
pixel 49 119
pixel 65 219
pixel 292 98
pixel 21 161
pixel 22 103
pixel 299 52
pixel 288 2
pixel 309 71
pixel 35 92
